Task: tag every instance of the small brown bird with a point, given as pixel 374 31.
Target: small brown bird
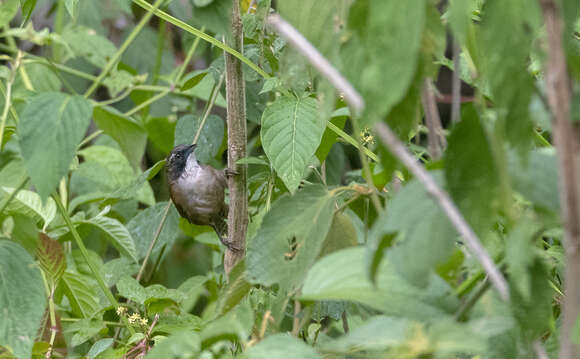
pixel 197 190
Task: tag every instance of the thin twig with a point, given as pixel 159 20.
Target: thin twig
pixel 435 136
pixel 456 83
pixel 353 98
pixel 152 244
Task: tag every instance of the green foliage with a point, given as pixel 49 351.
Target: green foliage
pixel 337 264
pixel 50 127
pixel 291 132
pixel 23 299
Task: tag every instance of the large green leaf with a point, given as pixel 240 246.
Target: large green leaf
pixel 210 139
pixel 22 299
pixel 470 172
pixel 282 346
pixel 50 128
pixel 425 234
pixel 29 204
pixel 86 43
pixel 505 61
pixel 235 326
pixel 107 170
pixel 316 20
pixel 392 40
pixel 144 226
pixel 117 234
pixel 342 276
pixel 8 10
pixel 290 237
pixel 129 134
pixel 80 295
pixel 537 178
pixel 291 132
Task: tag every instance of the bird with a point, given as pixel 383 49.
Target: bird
pixel 197 191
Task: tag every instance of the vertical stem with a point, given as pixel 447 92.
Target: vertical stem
pixel 567 143
pixel 435 137
pixel 456 84
pixel 236 98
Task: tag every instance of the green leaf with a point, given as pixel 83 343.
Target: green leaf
pixel 129 288
pixel 117 234
pixel 100 346
pixel 425 234
pixel 50 129
pixel 116 268
pixel 130 135
pixel 314 19
pixel 537 178
pixel 107 170
pixel 235 326
pixel 193 80
pixel 84 330
pixel 180 345
pixel 71 7
pixel 80 295
pixel 27 9
pixel 51 258
pixel 290 237
pixel 504 65
pixel 130 190
pixel 341 235
pixel 29 204
pixel 160 131
pixel 210 139
pixel 520 256
pixel 342 275
pixel 235 290
pixel 329 137
pixel 377 334
pixel 282 346
pixel 8 9
pixel 22 299
pixel 473 188
pixel 144 226
pixel 460 18
pixel 393 44
pixel 45 80
pixel 291 132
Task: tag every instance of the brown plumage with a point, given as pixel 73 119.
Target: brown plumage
pixel 197 190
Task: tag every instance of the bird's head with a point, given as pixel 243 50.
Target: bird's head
pixel 178 158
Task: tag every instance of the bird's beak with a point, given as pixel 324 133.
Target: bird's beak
pixel 191 148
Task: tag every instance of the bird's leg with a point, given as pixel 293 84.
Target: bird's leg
pixel 229 245
pixel 230 172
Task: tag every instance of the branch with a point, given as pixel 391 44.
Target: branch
pixel 456 84
pixel 567 143
pixel 435 137
pixel 236 98
pixel 353 98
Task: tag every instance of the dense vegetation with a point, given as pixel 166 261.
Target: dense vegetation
pixel 348 253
